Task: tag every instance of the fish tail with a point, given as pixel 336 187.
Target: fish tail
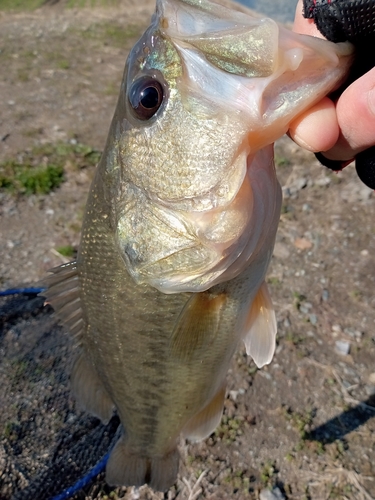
pixel 127 468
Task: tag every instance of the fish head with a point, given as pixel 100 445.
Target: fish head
pixel 204 89
pixel 176 145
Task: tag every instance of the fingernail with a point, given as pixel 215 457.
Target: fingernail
pixel 302 143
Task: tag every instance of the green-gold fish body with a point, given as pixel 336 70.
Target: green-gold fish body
pixel 180 226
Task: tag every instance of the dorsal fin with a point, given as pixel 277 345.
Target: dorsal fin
pixel 260 330
pixel 63 295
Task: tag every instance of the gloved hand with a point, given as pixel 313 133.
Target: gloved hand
pixel 346 128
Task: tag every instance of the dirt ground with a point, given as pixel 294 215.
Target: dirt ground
pixel 303 427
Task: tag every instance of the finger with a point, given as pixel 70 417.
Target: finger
pixel 317 128
pixel 356 118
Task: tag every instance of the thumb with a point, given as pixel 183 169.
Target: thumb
pixel 316 129
pixel 355 111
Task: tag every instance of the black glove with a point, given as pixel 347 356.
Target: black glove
pixel 352 20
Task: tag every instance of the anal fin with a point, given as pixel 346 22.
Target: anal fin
pixel 127 468
pixel 89 391
pixel 206 421
pixel 261 327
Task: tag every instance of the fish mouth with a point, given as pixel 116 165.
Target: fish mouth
pixel 189 251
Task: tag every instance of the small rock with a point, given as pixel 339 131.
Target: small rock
pixel 300 183
pixel 306 207
pixel 233 395
pixel 350 373
pixel 365 193
pixel 302 243
pixel 370 390
pixel 372 378
pixel 287 323
pixel 353 192
pixel 291 191
pixel 313 319
pixel 325 295
pixel 323 181
pixel 281 251
pixel 342 347
pixel 135 494
pixel 71 418
pixel 274 494
pixel 355 334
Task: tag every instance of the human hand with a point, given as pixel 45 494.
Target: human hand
pixel 343 129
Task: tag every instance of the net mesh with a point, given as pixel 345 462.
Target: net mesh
pixel 46 444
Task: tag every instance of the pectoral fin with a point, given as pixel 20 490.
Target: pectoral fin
pixel 206 421
pixel 260 331
pixel 198 324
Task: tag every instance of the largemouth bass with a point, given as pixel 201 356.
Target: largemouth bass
pixel 180 226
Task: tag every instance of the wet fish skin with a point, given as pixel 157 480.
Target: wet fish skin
pixel 180 226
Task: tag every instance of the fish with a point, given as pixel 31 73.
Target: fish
pixel 180 225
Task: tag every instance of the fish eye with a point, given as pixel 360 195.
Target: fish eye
pixel 145 97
